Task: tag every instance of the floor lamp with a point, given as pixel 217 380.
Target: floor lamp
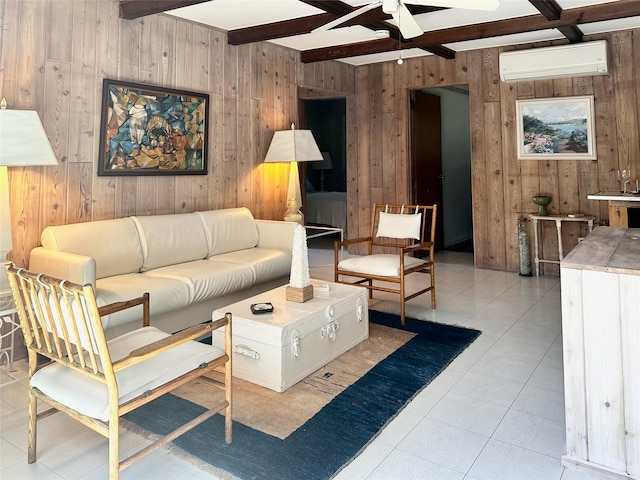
pixel 293 146
pixel 23 143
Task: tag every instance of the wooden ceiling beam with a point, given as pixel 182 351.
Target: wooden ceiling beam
pixel 553 11
pixel 530 23
pixel 373 19
pixel 132 9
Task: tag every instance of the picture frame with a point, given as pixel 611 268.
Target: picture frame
pixel 151 130
pixel 559 128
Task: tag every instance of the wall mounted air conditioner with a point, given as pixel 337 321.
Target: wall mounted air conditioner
pixel 575 60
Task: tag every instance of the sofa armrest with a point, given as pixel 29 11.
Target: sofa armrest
pixel 276 234
pixel 79 269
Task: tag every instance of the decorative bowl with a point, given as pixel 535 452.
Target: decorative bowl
pixel 542 201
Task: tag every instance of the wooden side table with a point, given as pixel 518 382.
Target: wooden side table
pixel 588 219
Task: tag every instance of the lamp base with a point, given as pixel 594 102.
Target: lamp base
pixel 299 295
pixel 293 214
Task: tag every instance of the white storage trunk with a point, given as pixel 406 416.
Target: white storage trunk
pixel 276 350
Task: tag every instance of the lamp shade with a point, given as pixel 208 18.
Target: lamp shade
pixel 325 164
pixel 23 141
pixel 293 146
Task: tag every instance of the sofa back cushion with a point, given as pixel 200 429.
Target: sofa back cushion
pixel 113 244
pixel 229 229
pixel 171 239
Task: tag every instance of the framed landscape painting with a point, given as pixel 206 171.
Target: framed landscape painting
pixel 148 130
pixel 556 128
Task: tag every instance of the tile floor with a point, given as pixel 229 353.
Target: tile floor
pixel 496 413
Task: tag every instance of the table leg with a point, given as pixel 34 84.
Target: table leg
pixel 559 228
pixel 535 243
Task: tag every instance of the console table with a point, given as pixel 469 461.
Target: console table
pixel 558 219
pixel 619 203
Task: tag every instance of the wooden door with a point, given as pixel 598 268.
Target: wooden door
pixel 426 155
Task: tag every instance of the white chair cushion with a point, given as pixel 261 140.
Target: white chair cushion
pixel 396 225
pixel 90 397
pixel 385 265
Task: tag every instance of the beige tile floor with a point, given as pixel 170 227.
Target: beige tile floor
pixel 496 413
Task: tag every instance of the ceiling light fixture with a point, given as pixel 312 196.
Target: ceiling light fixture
pixel 381 34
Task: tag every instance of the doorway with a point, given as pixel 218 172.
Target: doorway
pixel 441 161
pixel 325 182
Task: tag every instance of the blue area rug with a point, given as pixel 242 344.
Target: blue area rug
pixel 337 433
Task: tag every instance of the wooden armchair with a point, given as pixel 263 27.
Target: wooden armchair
pixel 95 381
pixel 400 243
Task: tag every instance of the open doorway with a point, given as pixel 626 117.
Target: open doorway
pixel 441 161
pixel 325 192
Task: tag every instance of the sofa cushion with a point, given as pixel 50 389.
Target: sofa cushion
pixel 208 278
pixel 171 239
pixel 267 263
pixel 114 244
pixel 229 229
pixel 91 397
pixel 165 295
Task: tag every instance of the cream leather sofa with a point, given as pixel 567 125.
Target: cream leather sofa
pixel 189 263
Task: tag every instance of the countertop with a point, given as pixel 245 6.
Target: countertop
pixel 629 197
pixel 607 249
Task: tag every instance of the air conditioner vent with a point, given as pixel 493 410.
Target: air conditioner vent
pixel 575 60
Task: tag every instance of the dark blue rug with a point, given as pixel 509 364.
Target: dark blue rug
pixel 337 433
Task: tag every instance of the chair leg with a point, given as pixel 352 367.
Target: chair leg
pixel 402 301
pixel 433 288
pixel 33 427
pixel 114 459
pixel 228 412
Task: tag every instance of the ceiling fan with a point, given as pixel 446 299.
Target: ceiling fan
pixel 407 25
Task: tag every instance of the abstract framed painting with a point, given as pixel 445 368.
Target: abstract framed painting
pixel 556 128
pixel 150 130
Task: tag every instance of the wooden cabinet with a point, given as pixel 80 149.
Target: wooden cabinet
pixel 600 281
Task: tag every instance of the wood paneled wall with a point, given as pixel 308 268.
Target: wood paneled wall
pixel 502 185
pixel 54 55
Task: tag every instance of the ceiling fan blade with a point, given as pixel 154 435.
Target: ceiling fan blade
pixel 407 25
pixel 470 4
pixel 347 17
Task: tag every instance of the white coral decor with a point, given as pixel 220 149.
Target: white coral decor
pixel 300 260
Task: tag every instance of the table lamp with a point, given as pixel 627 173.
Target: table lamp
pixel 23 143
pixel 325 164
pixel 293 146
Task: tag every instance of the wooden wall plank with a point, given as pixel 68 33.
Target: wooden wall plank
pixel 630 329
pixel 603 373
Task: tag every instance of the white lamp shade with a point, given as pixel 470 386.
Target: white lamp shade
pixel 293 146
pixel 23 141
pixel 325 164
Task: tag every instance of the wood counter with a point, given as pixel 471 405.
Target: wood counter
pixel 600 281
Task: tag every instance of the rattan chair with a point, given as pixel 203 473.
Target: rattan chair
pixel 96 381
pixel 401 243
